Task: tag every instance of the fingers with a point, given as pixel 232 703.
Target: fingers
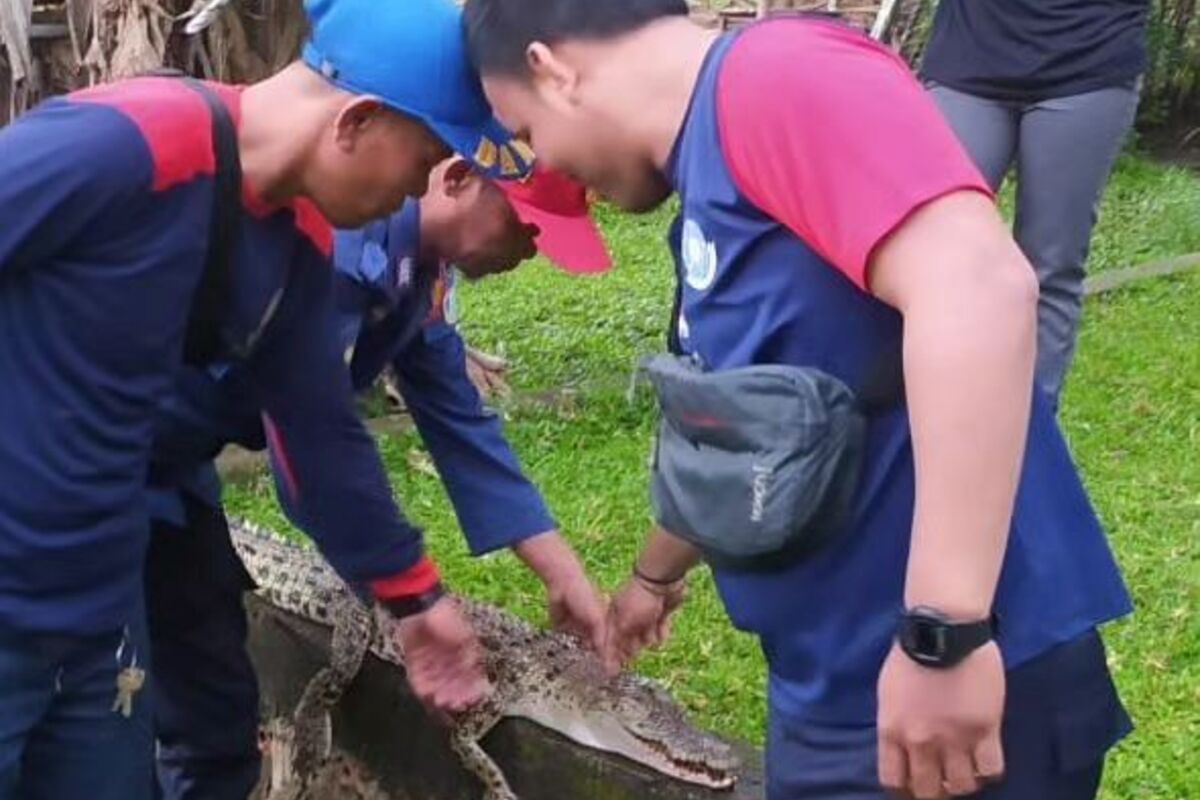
pixel 959 769
pixel 893 766
pixel 611 651
pixel 664 629
pixel 598 635
pixel 488 361
pixel 618 652
pixel 452 687
pixel 585 618
pixel 925 777
pixel 989 758
pixel 924 772
pixel 623 639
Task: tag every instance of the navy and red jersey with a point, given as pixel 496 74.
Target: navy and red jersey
pixel 400 310
pixel 106 197
pixel 806 144
pixel 393 309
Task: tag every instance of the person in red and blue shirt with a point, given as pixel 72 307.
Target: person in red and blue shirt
pixel 106 197
pixel 394 283
pixel 828 218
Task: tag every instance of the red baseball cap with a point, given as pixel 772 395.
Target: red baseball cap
pixel 558 206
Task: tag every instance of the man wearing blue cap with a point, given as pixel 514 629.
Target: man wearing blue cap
pixel 106 284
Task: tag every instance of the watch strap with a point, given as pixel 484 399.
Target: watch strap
pixel 932 639
pixel 411 605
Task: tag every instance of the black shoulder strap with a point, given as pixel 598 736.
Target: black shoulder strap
pixel 203 341
pixel 883 386
pixel 674 346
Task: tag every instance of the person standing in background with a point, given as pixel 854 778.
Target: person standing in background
pixel 1053 86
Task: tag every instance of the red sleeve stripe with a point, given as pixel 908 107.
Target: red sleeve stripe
pixel 173 120
pixel 312 223
pixel 417 579
pixel 283 461
pixel 177 128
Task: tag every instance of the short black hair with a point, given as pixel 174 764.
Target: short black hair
pixel 499 31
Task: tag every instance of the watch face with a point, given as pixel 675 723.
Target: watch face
pixel 925 638
pixel 929 639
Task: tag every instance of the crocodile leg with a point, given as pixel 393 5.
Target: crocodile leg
pixel 464 739
pixel 352 631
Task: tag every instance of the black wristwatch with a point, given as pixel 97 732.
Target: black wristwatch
pixel 401 607
pixel 930 638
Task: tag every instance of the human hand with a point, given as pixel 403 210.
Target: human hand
pixel 572 601
pixel 939 729
pixel 487 373
pixel 442 659
pixel 639 617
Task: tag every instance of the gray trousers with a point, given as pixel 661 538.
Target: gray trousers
pixel 1064 149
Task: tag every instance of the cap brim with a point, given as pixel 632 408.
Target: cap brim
pixel 490 148
pixel 573 243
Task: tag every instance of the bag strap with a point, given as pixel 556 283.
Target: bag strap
pixel 674 346
pixel 203 341
pixel 884 385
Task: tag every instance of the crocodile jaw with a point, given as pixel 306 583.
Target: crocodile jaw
pixel 605 731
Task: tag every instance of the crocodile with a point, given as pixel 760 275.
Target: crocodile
pixel 339 775
pixel 543 676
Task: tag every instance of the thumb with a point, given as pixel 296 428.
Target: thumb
pixel 487 360
pixel 664 629
pixel 598 630
pixel 609 650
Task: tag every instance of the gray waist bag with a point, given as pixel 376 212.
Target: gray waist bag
pixel 755 466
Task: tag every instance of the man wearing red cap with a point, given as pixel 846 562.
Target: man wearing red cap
pixel 558 208
pixel 395 302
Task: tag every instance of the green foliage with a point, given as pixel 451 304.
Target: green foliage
pixel 1130 414
pixel 1172 87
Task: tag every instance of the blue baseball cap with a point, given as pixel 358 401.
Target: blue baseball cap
pixel 412 55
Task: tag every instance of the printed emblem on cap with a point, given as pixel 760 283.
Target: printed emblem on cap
pixel 486 153
pixel 523 150
pixel 508 164
pixel 699 256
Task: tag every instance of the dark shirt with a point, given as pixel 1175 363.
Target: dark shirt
pixel 1036 49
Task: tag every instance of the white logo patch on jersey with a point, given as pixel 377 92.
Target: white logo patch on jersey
pixel 699 256
pixel 404 271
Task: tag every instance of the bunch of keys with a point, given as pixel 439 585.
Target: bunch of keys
pixel 130 680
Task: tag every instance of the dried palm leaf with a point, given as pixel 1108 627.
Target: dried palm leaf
pixel 141 39
pixel 202 14
pixel 233 58
pixel 286 26
pixel 79 23
pixel 15 18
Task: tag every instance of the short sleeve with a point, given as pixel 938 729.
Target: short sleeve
pixel 830 133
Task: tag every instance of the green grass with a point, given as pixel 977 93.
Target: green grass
pixel 559 330
pixel 1130 411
